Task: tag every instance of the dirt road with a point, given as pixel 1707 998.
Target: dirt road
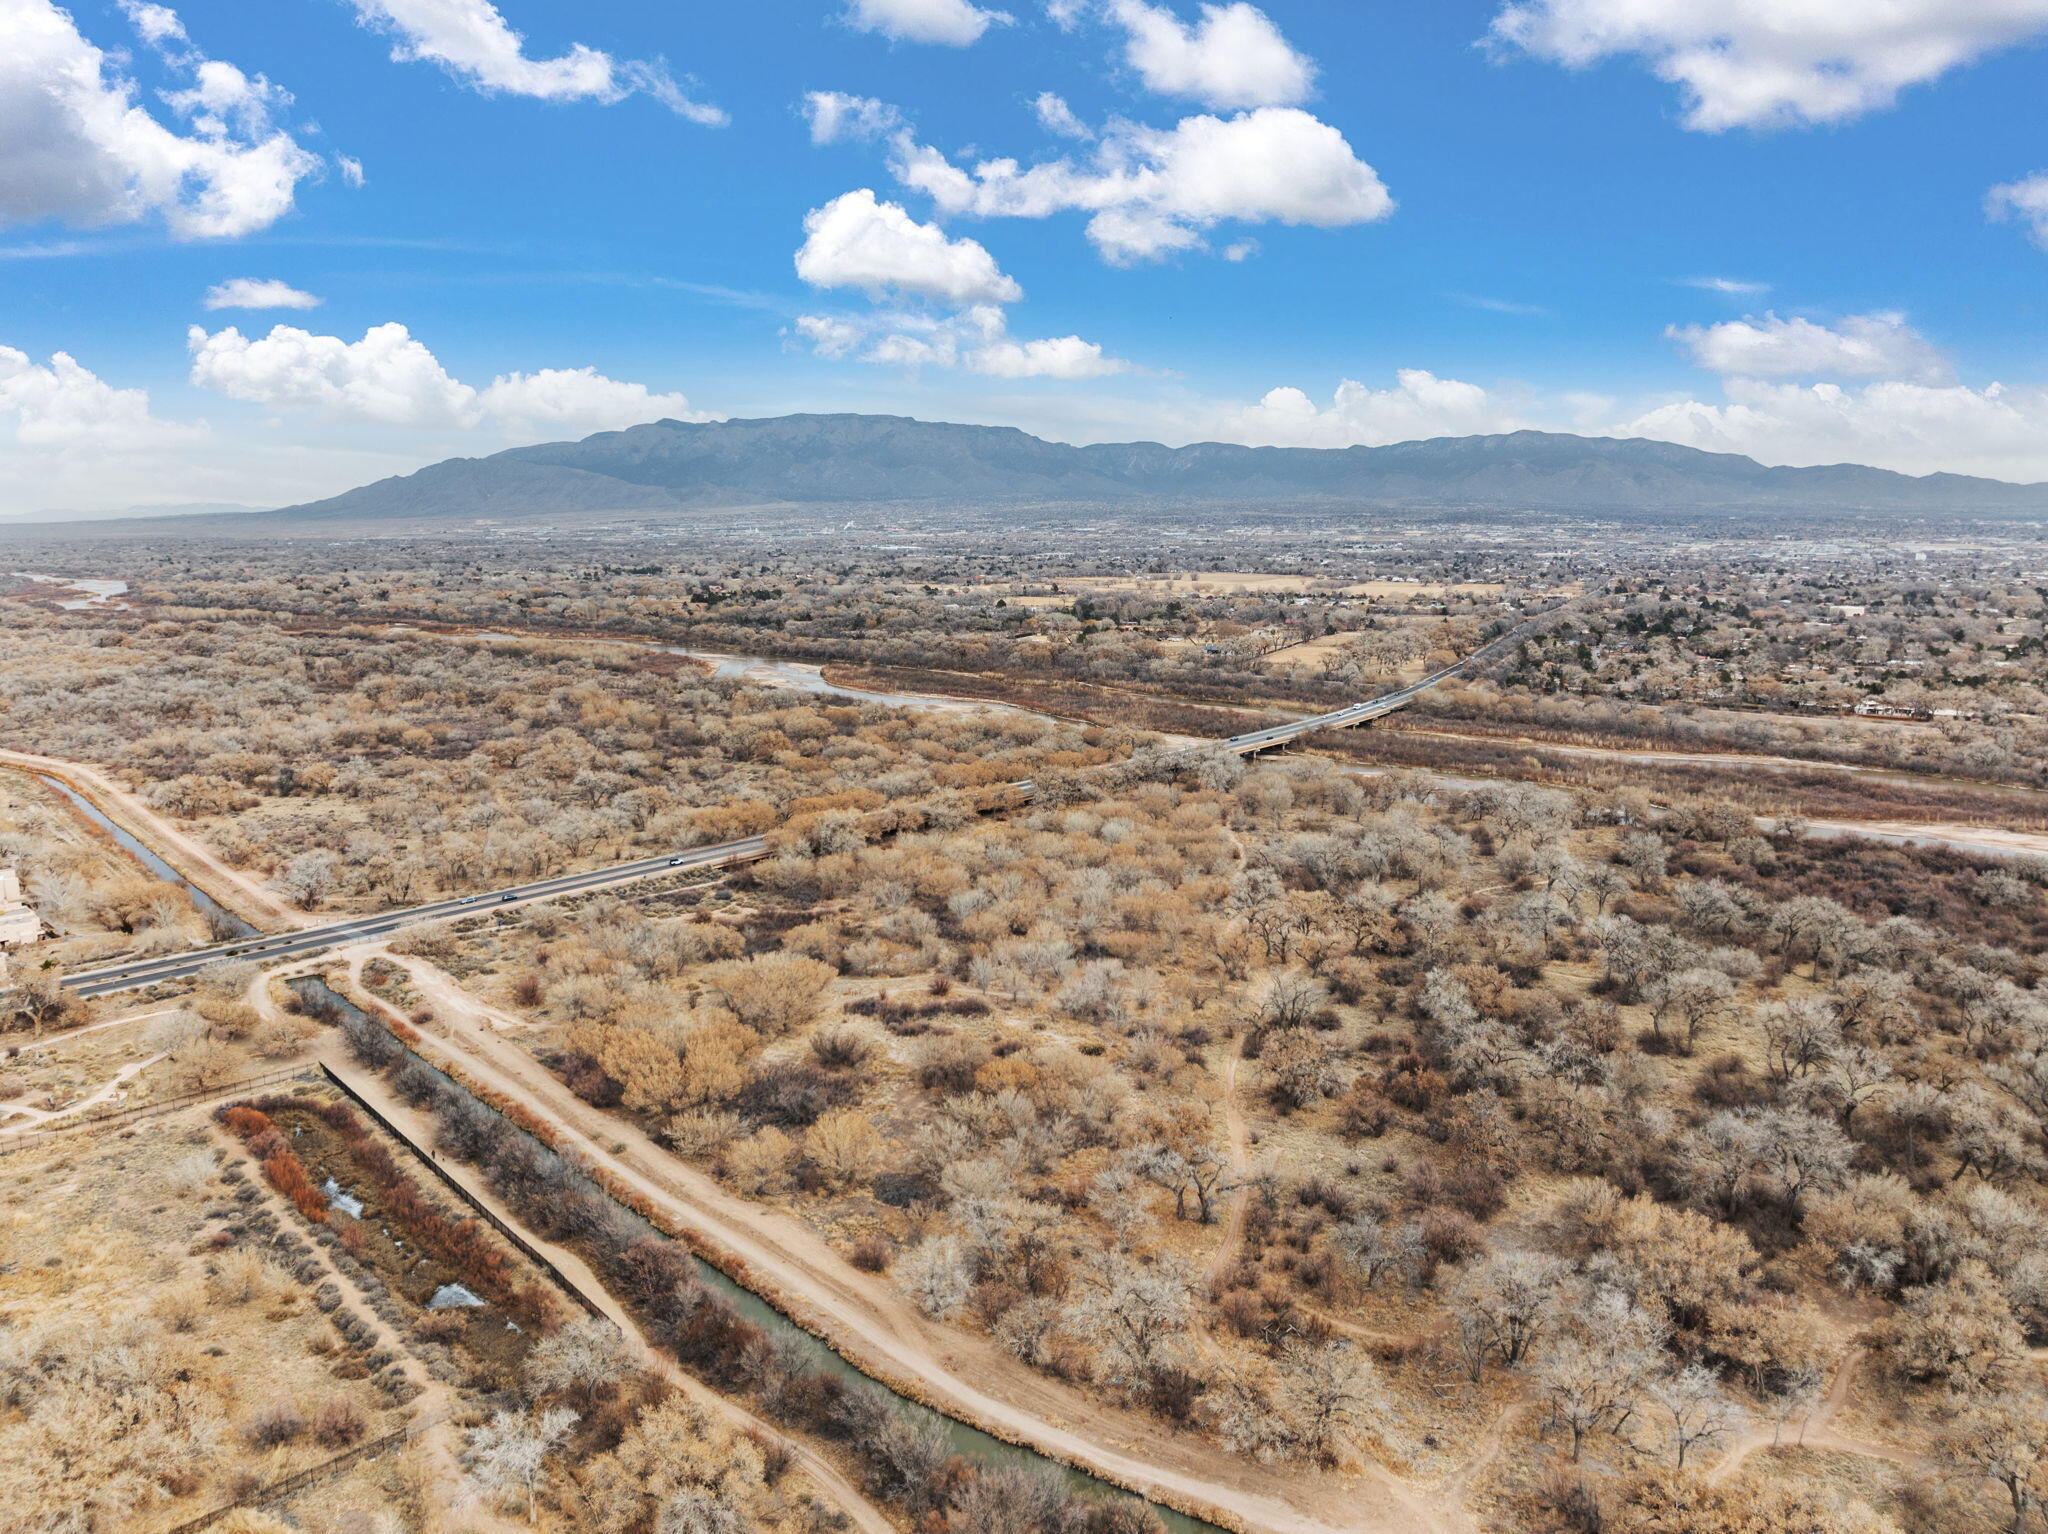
pixel 880 1331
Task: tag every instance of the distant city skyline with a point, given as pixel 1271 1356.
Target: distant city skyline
pixel 264 254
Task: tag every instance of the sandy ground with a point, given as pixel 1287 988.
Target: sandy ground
pixel 128 1240
pixel 1308 654
pixel 110 1092
pixel 870 1323
pixel 186 853
pixel 1989 840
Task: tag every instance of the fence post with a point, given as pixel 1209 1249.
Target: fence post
pixel 524 1247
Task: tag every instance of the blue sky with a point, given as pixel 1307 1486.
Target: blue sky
pixel 1309 222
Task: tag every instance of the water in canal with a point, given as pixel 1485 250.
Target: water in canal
pixel 223 921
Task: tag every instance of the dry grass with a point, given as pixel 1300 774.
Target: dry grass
pixel 153 1261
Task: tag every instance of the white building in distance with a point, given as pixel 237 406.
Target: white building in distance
pixel 18 923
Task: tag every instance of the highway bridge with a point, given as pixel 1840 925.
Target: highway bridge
pixel 135 973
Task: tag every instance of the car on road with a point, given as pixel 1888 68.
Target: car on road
pixel 675 862
pixel 503 899
pixel 467 900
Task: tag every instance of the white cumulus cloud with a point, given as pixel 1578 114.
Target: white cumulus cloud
pixel 1151 191
pixel 854 241
pixel 1771 63
pixel 63 406
pixel 1233 57
pixel 389 378
pixel 1914 428
pixel 1054 357
pixel 975 339
pixel 473 42
pixel 950 23
pixel 258 293
pixel 1419 405
pixel 1880 345
pixel 157 25
pixel 75 145
pixel 2025 200
pixel 580 399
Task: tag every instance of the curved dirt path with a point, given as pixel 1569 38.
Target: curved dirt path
pixel 40 1117
pixel 1488 1453
pixel 882 1333
pixel 1817 1431
pixel 182 850
pixel 49 1040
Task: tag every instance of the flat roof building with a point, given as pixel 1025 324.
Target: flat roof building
pixel 18 923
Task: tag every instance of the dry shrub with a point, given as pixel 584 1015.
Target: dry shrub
pixel 338 1423
pixel 274 1425
pixel 190 1173
pixel 1449 1235
pixel 1364 1113
pixel 242 1276
pixel 841 1049
pixel 950 1066
pixel 442 1326
pixel 179 1307
pixel 871 1254
pixel 759 1164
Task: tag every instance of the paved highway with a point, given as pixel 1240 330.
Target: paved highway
pixel 134 974
pixel 140 972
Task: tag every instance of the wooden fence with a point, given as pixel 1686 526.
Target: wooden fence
pixel 30 1134
pixel 313 1475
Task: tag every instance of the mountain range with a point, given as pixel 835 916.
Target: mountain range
pixel 667 467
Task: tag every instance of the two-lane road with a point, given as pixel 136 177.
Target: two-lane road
pixel 140 972
pixel 134 974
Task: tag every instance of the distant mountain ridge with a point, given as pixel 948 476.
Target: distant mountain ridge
pixel 667 466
